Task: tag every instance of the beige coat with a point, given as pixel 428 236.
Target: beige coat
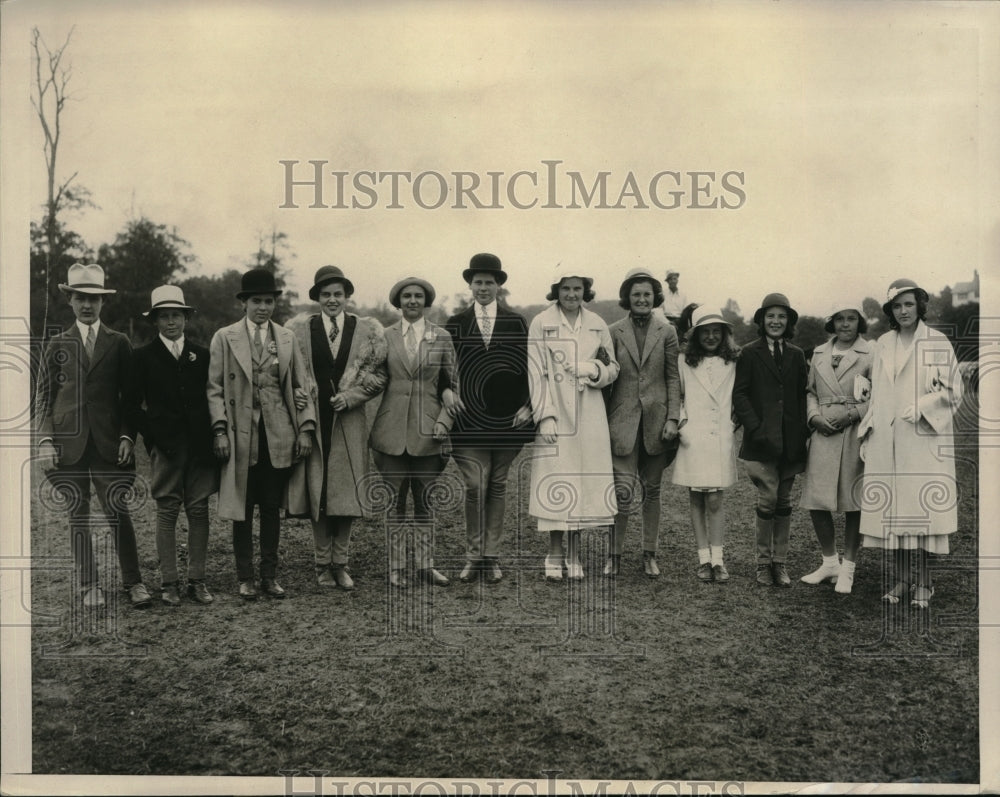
pixel 834 463
pixel 347 460
pixel 230 402
pixel 411 405
pixel 909 485
pixel 707 453
pixel 572 480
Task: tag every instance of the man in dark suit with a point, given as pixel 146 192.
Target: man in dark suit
pixel 84 434
pixel 493 412
pixel 169 407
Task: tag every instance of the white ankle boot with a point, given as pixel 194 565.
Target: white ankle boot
pixel 829 570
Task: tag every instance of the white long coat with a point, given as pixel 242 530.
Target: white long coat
pixel 707 453
pixel 572 480
pixel 909 485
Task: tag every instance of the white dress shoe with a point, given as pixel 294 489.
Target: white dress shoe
pixel 844 582
pixel 822 573
pixel 553 568
pixel 574 572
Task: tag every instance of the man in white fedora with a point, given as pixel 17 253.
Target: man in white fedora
pixel 170 378
pixel 84 434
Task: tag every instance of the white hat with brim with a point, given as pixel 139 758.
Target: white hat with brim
pixel 167 297
pixel 703 316
pixel 87 278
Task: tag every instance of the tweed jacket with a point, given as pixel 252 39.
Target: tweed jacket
pixel 411 404
pixel 771 404
pixel 77 400
pixel 647 387
pixel 230 405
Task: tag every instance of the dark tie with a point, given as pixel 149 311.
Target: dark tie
pixel 334 331
pixel 777 354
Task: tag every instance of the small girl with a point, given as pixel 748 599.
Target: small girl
pixel 769 397
pixel 706 460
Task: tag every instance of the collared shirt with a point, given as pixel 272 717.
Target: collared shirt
pixel 673 303
pixel 180 343
pixel 489 310
pixel 252 327
pixel 418 329
pixel 96 326
pixel 328 328
pixel 574 328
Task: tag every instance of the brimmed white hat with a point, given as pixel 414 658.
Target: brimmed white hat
pixel 167 297
pixel 898 287
pixel 839 307
pixel 85 278
pixel 703 316
pixel 562 272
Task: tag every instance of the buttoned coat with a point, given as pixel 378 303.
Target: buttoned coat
pixel 169 400
pixel 909 482
pixel 647 387
pixel 771 404
pixel 411 403
pixel 573 479
pixel 493 379
pixel 345 464
pixel 79 399
pixel 834 463
pixel 230 402
pixel 707 453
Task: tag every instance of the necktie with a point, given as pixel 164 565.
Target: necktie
pixel 486 327
pixel 258 344
pixel 777 353
pixel 175 349
pixel 411 344
pixel 334 331
pixel 89 342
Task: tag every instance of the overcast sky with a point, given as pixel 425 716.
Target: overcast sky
pixel 858 130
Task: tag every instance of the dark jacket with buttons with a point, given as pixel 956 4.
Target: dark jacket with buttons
pixel 771 403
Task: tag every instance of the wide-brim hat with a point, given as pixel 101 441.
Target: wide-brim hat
pixel 85 278
pixel 898 287
pixel 166 297
pixel 839 307
pixel 485 263
pixel 397 289
pixel 704 315
pixel 638 275
pixel 258 281
pixel 324 276
pixel 775 300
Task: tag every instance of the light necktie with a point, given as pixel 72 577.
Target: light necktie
pixel 89 343
pixel 411 343
pixel 258 343
pixel 486 327
pixel 777 353
pixel 175 349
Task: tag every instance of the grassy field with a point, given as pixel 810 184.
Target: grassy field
pixel 633 680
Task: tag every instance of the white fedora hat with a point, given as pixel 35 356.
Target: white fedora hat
pixel 83 278
pixel 167 297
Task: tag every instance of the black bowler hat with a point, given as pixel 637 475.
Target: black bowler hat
pixel 485 263
pixel 776 300
pixel 258 281
pixel 326 275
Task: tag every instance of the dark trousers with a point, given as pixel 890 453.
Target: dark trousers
pixel 265 488
pixel 112 484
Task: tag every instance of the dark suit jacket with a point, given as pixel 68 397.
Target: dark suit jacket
pixel 493 381
pixel 771 404
pixel 77 400
pixel 167 402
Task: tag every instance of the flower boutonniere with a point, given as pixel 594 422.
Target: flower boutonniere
pixel 429 335
pixel 272 347
pixel 192 356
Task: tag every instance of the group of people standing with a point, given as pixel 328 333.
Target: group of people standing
pixel 274 417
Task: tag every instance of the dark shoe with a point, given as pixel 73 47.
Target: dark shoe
pixel 433 577
pixel 720 573
pixel 343 578
pixel 198 592
pixel 271 588
pixel 705 572
pixel 780 575
pixel 248 591
pixel 649 564
pixel 139 596
pixel 493 572
pixel 613 566
pixel 169 595
pixel 93 597
pixel 324 577
pixel 397 579
pixel 469 572
pixel 764 577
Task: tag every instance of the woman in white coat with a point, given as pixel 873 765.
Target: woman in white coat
pixel 706 459
pixel 910 496
pixel 837 396
pixel 570 358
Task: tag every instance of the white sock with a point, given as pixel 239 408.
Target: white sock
pixel 704 556
pixel 848 566
pixel 831 561
pixel 716 554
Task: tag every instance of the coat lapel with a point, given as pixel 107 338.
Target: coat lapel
pixel 626 334
pixel 239 344
pixel 824 367
pixel 702 376
pixel 394 337
pixel 101 345
pixel 653 337
pixel 284 344
pixel 764 352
